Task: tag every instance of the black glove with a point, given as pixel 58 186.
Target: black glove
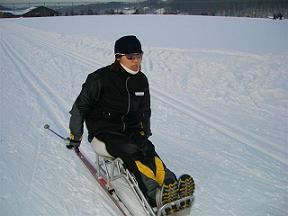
pixel 72 142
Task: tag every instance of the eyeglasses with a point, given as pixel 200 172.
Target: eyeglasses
pixel 132 56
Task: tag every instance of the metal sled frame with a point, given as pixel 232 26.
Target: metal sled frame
pixel 112 169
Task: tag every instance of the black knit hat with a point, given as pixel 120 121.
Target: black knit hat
pixel 127 44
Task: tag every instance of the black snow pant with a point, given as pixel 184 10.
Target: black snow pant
pixel 139 156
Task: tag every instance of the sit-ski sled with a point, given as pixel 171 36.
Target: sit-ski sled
pixel 112 169
pixel 108 170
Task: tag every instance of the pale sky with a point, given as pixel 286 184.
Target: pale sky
pixel 60 1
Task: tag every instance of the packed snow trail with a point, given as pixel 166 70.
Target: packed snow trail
pixel 221 113
pixel 241 135
pixel 226 128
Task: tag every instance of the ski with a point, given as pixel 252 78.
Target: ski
pixel 103 183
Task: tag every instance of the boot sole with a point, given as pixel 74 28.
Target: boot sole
pixel 170 192
pixel 186 187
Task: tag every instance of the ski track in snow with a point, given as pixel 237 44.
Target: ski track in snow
pixel 36 85
pixel 50 95
pixel 251 139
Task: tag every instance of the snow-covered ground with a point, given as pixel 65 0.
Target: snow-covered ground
pixel 219 109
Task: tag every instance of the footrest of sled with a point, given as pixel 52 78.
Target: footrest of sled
pixel 175 206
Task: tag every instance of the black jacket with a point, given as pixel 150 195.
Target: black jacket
pixel 111 99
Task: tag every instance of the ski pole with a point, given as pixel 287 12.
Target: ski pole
pixel 46 126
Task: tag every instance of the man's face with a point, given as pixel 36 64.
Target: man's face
pixel 132 61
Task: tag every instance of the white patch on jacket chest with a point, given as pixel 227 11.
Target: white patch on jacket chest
pixel 139 93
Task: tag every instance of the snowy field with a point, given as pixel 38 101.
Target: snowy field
pixel 219 90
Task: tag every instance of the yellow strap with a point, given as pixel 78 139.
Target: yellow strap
pixel 160 171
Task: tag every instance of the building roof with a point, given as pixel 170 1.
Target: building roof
pixel 23 12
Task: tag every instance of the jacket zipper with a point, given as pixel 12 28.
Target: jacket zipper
pixel 128 109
